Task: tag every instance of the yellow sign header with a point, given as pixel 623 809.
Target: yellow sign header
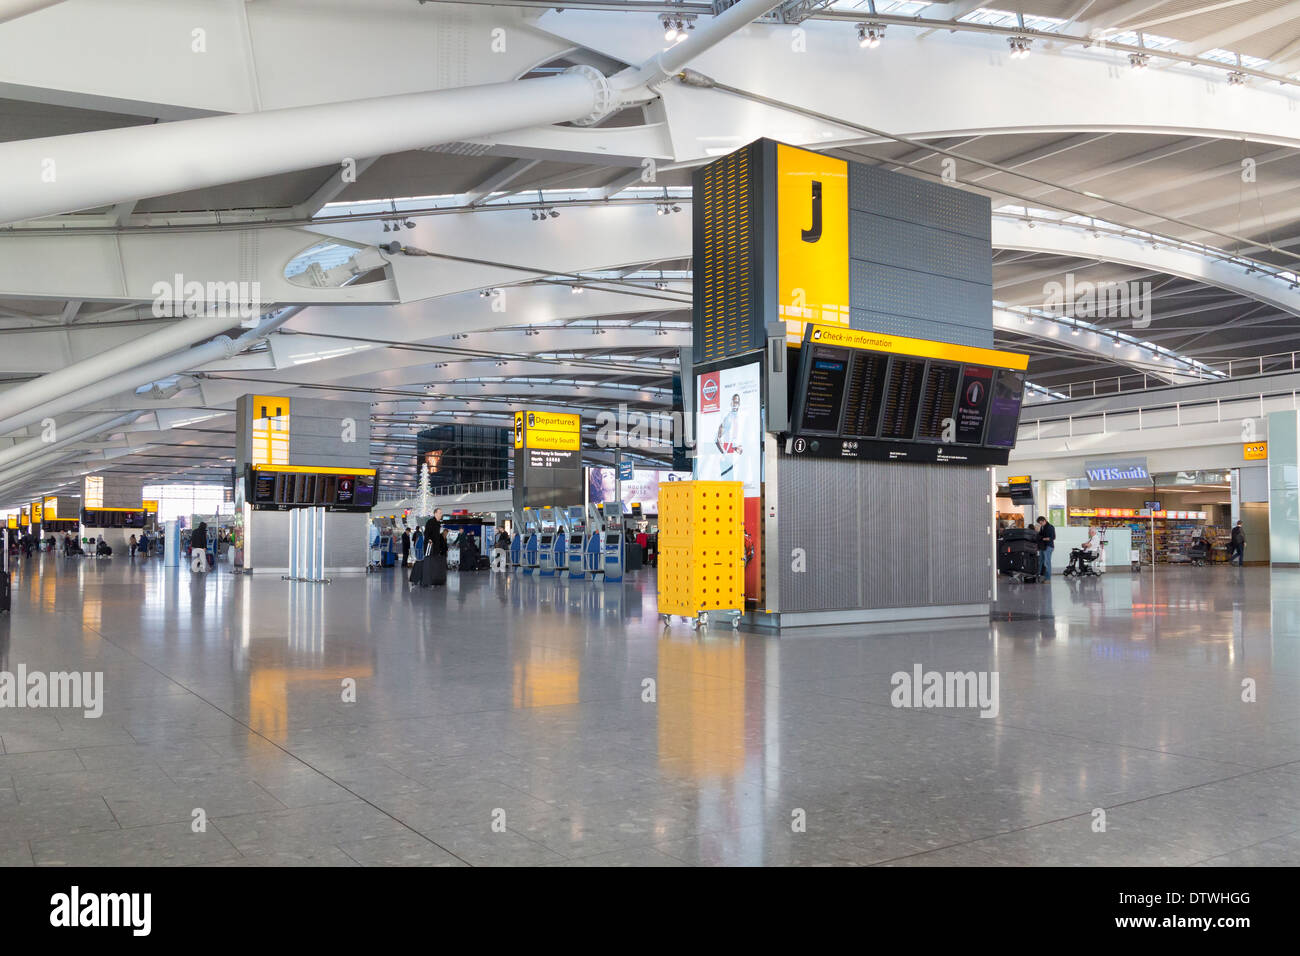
pixel 311 470
pixel 1018 480
pixel 549 431
pixel 1255 451
pixel 920 348
pixel 52 509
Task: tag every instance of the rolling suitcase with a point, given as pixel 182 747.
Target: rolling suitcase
pixel 437 569
pixel 416 576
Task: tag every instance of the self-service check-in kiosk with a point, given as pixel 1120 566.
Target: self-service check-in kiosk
pixel 546 545
pixel 595 539
pixel 516 540
pixel 531 558
pixel 577 542
pixel 611 551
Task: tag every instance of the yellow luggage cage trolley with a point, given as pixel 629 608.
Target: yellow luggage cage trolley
pixel 701 550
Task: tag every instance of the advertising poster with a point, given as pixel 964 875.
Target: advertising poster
pixel 642 487
pixel 729 447
pixel 729 427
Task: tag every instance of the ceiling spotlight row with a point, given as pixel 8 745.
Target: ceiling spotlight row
pixel 675 28
pixel 394 227
pixel 539 215
pixel 667 209
pixel 870 35
pixel 1139 61
pixel 1019 47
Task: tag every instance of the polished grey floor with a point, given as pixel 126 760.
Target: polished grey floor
pixel 510 720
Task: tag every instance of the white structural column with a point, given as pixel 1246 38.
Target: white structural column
pixel 13 9
pixel 69 380
pixel 58 174
pixel 62 435
pixel 132 378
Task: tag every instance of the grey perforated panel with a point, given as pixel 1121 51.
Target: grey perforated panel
pixel 909 245
pixel 920 258
pixel 880 535
pixel 920 295
pixel 909 199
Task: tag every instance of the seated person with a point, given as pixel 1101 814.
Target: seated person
pixel 102 549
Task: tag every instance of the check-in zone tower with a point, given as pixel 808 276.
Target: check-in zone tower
pixel 842 368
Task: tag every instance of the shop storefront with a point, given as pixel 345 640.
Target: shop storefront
pixel 1166 515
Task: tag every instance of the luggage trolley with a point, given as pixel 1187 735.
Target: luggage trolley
pixel 1018 554
pixel 701 567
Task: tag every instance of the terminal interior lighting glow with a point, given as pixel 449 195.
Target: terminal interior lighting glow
pixel 870 35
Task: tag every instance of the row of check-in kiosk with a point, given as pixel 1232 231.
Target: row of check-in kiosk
pixel 572 542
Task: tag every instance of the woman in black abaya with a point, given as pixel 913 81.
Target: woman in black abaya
pixel 435 565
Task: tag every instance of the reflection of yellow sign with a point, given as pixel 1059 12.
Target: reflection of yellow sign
pixel 921 348
pixel 93 492
pixel 812 221
pixel 1018 480
pixel 270 430
pixel 51 509
pixel 550 431
pixel 1255 451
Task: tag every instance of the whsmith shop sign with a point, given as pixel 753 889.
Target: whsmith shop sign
pixel 1116 473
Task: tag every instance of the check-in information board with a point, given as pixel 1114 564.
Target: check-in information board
pixel 871 395
pixel 283 487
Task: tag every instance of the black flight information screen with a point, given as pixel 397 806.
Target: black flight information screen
pixel 902 398
pixel 866 394
pixel 937 400
pixel 825 396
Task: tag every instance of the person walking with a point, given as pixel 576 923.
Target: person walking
pixel 1046 544
pixel 435 566
pixel 134 544
pixel 500 549
pixel 199 546
pixel 406 546
pixel 1237 545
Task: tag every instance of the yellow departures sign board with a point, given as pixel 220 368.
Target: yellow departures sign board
pixel 550 431
pixel 812 223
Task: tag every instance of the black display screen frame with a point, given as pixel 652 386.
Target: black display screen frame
pixel 822 443
pixel 270 490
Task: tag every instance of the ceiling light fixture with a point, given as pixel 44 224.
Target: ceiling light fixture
pixel 1019 47
pixel 1236 78
pixel 870 35
pixel 670 29
pixel 1139 61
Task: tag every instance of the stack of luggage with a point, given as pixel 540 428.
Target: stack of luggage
pixel 1018 553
